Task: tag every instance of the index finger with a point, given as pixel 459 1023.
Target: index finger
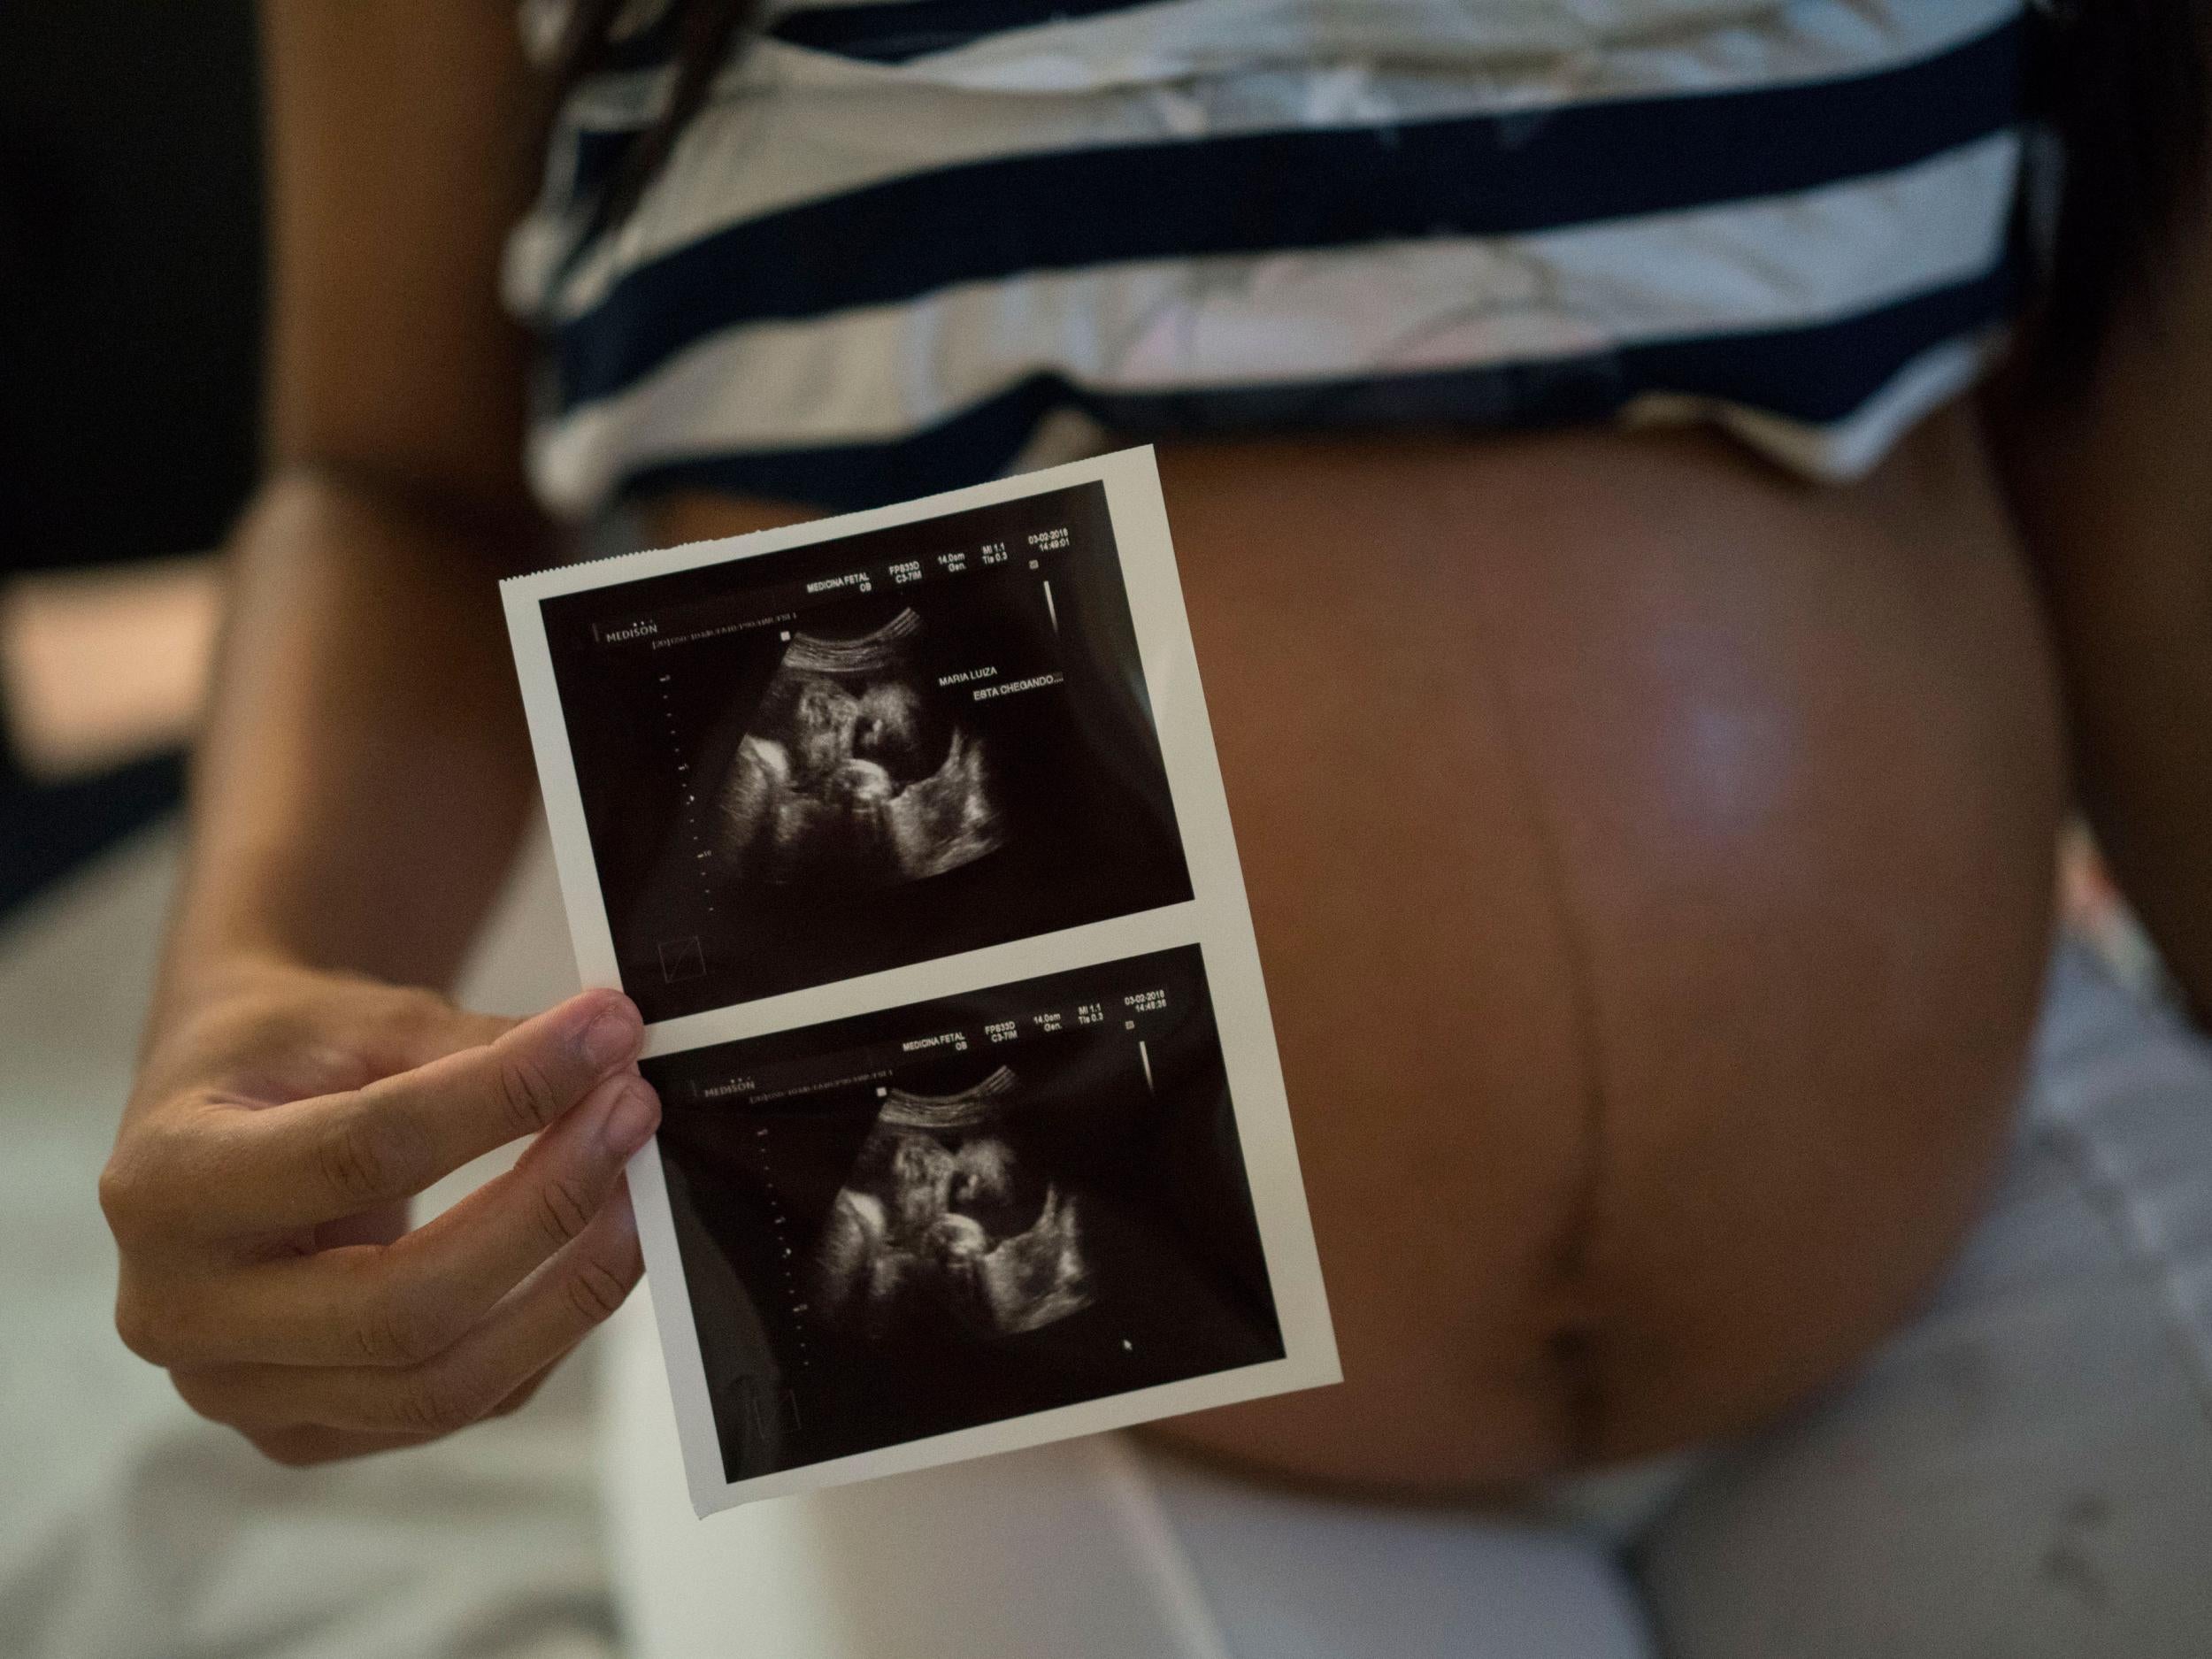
pixel 316 1160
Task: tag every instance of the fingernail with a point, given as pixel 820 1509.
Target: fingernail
pixel 612 1037
pixel 631 1120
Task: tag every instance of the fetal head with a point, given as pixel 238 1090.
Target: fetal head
pixel 823 726
pixel 888 729
pixel 834 725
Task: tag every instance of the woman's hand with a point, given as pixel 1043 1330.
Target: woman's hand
pixel 258 1193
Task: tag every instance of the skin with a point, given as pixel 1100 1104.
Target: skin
pixel 1731 801
pixel 1651 1010
pixel 2112 486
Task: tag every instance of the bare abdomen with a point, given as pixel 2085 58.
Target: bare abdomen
pixel 1651 859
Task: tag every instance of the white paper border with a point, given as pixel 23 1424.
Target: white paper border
pixel 1216 918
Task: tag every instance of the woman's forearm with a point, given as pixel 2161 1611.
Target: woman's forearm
pixel 2135 638
pixel 365 773
pixel 2114 493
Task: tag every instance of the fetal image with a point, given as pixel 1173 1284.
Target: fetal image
pixel 935 1222
pixel 961 1212
pixel 814 764
pixel 853 773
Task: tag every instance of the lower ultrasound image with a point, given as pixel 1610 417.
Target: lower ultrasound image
pixel 961 1212
pixel 823 761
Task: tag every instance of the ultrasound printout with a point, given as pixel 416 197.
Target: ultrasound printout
pixel 950 1214
pixel 905 833
pixel 878 749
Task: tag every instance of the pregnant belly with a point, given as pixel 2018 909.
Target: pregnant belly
pixel 1651 862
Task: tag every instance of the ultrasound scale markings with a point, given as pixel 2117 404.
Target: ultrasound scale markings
pixel 687 813
pixel 778 1220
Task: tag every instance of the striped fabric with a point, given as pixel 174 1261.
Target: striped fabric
pixel 909 243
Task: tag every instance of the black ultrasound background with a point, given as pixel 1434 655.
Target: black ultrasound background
pixel 1075 771
pixel 1179 1284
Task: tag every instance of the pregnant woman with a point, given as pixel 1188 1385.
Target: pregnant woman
pixel 1640 645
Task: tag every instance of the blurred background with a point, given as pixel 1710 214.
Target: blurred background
pixel 130 310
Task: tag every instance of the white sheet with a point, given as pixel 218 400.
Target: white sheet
pixel 129 1526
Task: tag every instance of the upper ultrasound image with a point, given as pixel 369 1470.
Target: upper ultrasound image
pixel 855 770
pixel 805 765
pixel 961 1212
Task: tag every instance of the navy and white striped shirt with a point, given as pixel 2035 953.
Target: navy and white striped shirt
pixel 909 243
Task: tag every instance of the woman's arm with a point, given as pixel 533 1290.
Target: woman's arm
pixel 357 797
pixel 2113 490
pixel 362 780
